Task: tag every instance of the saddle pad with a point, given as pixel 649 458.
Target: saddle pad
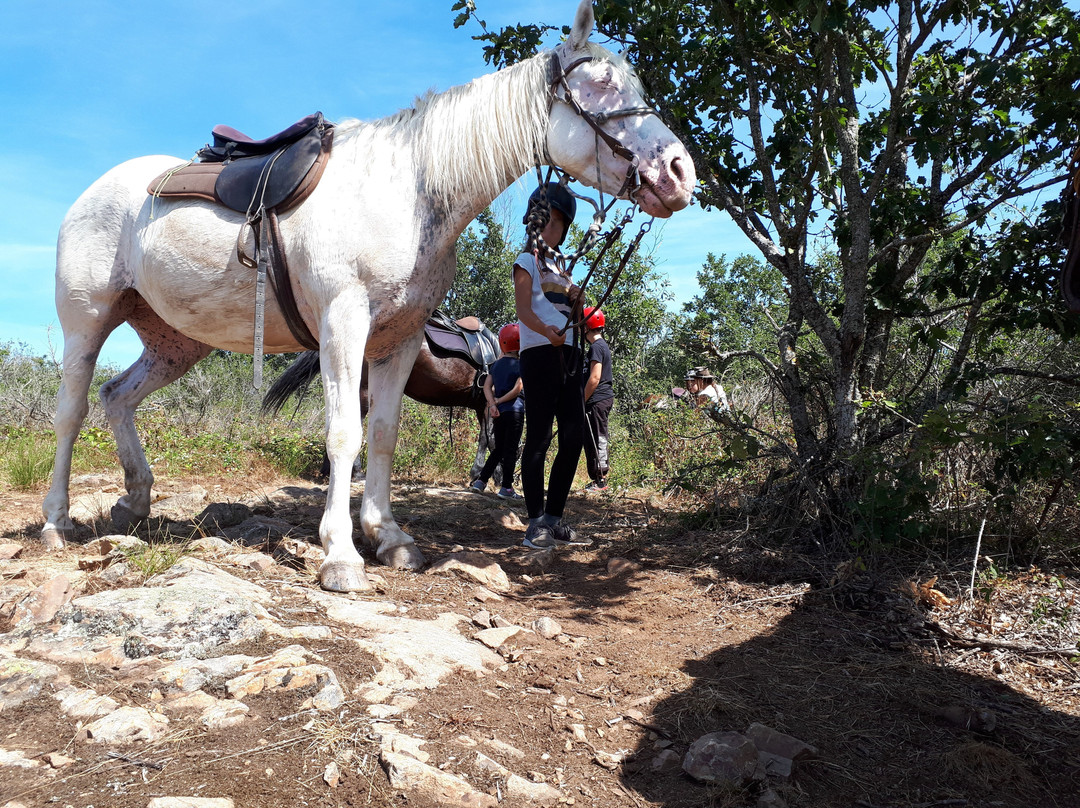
pixel 187 180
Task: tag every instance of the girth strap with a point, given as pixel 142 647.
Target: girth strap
pixel 270 263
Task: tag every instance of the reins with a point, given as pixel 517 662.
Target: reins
pixel 539 215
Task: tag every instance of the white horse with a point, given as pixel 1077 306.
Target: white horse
pixel 371 251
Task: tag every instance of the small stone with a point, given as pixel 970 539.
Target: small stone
pixel 332 774
pixel 98 547
pixel 485 595
pixel 58 761
pixel 667 761
pixel 495 637
pixel 547 628
pixel 260 562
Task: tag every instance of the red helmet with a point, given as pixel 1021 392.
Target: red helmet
pixel 594 318
pixel 509 338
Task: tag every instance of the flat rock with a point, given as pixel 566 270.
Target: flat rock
pixel 186 611
pixel 82 703
pixel 9 551
pixel 22 680
pixel 180 507
pixel 42 605
pixel 17 759
pixel 429 650
pixel 496 637
pixel 190 802
pixel 127 725
pixel 88 508
pixel 481 568
pixel 428 783
pixel 722 757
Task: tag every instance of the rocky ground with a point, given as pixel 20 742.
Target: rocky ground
pixel 661 666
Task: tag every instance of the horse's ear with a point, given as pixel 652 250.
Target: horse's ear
pixel 583 25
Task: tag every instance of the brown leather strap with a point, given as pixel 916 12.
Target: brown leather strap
pixel 279 279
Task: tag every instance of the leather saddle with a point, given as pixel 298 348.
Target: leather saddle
pixel 467 339
pixel 247 175
pixel 1070 237
pixel 259 178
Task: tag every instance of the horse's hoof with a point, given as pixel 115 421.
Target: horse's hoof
pixel 124 519
pixel 53 539
pixel 402 557
pixel 341 576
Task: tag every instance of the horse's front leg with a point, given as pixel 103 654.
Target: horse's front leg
pixel 387 378
pixel 342 340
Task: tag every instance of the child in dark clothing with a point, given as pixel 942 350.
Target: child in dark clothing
pixel 545 296
pixel 506 404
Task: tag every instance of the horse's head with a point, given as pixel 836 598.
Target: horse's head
pixel 603 132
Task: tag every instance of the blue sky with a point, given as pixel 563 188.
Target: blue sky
pixel 88 85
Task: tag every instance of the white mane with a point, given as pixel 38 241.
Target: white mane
pixel 471 141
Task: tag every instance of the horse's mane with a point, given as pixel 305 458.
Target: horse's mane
pixel 469 139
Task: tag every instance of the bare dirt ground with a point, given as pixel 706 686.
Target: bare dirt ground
pixel 908 704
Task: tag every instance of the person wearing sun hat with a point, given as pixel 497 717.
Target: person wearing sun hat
pixel 704 390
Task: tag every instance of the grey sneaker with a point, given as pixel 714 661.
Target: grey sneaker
pixel 564 534
pixel 508 493
pixel 540 537
pixel 478 486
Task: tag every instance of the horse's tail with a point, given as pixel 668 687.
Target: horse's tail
pixel 296 379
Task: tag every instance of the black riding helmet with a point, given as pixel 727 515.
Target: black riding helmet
pixel 559 198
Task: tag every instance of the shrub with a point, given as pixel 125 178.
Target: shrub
pixel 29 460
pixel 293 453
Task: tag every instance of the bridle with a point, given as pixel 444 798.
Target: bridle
pixel 557 79
pixel 556 75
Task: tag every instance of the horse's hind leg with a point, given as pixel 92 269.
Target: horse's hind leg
pixel 167 356
pixel 394 547
pixel 81 347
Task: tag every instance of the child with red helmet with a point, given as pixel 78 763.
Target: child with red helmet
pixel 506 405
pixel 599 396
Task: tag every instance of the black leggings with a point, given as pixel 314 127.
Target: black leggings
pixel 551 377
pixel 507 428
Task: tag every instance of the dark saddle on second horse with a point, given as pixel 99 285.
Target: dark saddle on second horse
pixel 467 339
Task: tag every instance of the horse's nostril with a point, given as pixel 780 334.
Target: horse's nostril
pixel 678 170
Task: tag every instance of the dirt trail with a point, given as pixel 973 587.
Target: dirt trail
pixel 666 633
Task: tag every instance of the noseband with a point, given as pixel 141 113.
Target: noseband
pixel 556 80
pixel 556 76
